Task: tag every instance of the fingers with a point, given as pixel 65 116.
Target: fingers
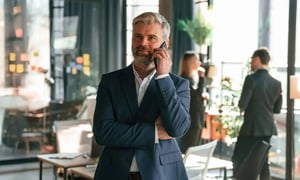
pixel 161 132
pixel 164 63
pixel 161 53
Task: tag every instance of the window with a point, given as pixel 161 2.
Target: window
pixel 24 50
pixel 74 49
pixel 240 27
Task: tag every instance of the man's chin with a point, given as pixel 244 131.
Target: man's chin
pixel 143 60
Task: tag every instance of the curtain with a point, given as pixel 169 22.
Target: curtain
pixel 82 20
pixel 112 35
pixel 181 42
pixel 102 31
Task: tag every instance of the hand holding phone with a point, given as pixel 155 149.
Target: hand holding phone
pixel 163 45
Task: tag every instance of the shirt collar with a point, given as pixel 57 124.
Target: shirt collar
pixel 137 76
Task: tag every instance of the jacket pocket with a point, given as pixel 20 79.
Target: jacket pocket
pixel 169 158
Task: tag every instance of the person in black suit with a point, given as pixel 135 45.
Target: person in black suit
pixel 141 109
pixel 190 68
pixel 261 97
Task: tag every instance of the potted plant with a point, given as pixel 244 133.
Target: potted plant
pixel 229 113
pixel 197 28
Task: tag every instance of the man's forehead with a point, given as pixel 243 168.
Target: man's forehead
pixel 141 28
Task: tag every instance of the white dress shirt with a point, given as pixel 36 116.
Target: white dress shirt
pixel 141 87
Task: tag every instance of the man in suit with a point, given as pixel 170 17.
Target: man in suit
pixel 260 98
pixel 140 110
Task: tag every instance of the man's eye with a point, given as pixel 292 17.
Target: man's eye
pixel 138 37
pixel 152 38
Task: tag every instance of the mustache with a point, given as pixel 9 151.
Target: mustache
pixel 142 48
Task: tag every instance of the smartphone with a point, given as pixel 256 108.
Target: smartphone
pixel 163 45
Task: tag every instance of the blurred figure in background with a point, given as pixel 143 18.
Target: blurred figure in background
pixel 261 97
pixel 190 68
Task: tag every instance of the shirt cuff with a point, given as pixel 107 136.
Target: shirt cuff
pixel 156 135
pixel 162 76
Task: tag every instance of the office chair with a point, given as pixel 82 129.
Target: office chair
pixel 196 160
pixel 253 163
pixel 73 136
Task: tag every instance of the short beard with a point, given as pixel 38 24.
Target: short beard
pixel 143 59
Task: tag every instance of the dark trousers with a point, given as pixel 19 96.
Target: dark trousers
pixel 241 150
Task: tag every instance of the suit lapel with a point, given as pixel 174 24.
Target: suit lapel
pixel 129 89
pixel 149 105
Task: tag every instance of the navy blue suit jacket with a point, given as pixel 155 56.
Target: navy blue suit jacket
pixel 127 130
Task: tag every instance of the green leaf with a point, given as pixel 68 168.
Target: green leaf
pixel 197 29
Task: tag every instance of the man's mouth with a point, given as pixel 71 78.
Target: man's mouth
pixel 143 52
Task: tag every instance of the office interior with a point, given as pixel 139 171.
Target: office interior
pixel 53 53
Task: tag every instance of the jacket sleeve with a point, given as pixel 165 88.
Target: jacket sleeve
pixel 246 94
pixel 174 105
pixel 278 102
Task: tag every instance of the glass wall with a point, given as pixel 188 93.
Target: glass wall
pixel 239 28
pixel 49 61
pixel 25 64
pixel 25 51
pixel 46 76
pixel 75 49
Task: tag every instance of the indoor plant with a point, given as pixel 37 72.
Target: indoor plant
pixel 229 112
pixel 197 28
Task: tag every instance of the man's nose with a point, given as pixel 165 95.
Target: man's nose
pixel 144 42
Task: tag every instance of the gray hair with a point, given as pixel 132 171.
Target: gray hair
pixel 152 17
